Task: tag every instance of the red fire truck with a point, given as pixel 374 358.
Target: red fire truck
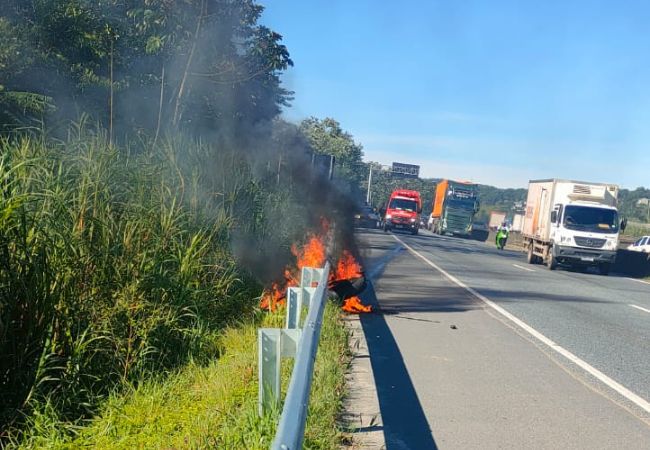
pixel 403 211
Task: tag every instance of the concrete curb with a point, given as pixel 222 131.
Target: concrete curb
pixel 362 413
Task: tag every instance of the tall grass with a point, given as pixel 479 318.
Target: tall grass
pixel 637 229
pixel 116 265
pixel 213 405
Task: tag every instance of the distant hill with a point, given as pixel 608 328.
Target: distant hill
pixel 498 199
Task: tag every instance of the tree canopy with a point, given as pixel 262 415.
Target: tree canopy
pixel 201 65
pixel 326 136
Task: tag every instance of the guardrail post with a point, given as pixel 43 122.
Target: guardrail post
pixel 294 307
pixel 297 298
pixel 273 344
pixel 310 276
pixel 269 351
pixel 299 343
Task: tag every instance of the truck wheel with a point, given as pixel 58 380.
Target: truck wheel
pixel 531 258
pixel 552 262
pixel 604 268
pixel 414 232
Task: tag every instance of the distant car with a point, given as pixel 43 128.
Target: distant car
pixel 367 217
pixel 480 226
pixel 480 231
pixel 641 245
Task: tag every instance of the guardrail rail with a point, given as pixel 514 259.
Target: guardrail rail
pixel 293 341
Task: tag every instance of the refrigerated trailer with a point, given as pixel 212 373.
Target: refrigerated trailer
pixel 572 223
pixel 517 223
pixel 496 219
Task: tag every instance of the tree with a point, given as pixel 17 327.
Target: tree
pixel 197 65
pixel 327 137
pixel 633 204
pixel 17 107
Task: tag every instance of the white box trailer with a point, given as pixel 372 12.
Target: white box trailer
pixel 517 223
pixel 571 222
pixel 496 219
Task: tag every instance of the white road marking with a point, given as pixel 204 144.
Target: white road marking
pixel 622 390
pixel 637 280
pixel 641 308
pixel 523 268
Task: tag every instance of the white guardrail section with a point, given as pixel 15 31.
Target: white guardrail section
pixel 293 341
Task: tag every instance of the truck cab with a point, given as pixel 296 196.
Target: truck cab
pixel 403 211
pixel 584 233
pixel 454 206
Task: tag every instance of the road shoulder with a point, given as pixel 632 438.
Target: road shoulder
pixel 362 414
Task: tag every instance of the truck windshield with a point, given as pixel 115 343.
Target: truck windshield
pixel 587 218
pixel 467 204
pixel 404 204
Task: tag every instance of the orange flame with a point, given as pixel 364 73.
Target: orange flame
pixel 353 305
pixel 313 254
pixel 272 298
pixel 347 268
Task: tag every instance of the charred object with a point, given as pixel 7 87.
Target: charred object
pixel 348 288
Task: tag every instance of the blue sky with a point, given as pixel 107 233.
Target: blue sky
pixel 498 92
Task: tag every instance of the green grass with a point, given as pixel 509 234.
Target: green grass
pixel 214 405
pixel 118 267
pixel 636 229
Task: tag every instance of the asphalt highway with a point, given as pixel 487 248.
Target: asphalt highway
pixel 471 347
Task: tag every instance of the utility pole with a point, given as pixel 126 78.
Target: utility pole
pixel 369 182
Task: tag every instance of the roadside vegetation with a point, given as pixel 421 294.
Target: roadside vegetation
pixel 212 405
pixel 118 268
pixel 636 229
pixel 149 191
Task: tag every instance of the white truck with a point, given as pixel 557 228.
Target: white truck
pixel 572 223
pixel 517 223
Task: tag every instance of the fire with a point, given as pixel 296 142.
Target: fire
pixel 313 254
pixel 353 305
pixel 272 298
pixel 348 268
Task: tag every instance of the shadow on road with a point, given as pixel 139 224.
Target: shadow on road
pixel 405 425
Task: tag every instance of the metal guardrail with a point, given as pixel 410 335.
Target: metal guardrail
pixel 293 341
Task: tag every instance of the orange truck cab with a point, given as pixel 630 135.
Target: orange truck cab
pixel 403 211
pixel 454 206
